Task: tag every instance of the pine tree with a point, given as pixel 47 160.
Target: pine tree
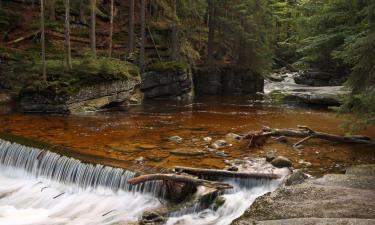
pixel 92 27
pixel 42 39
pixel 68 57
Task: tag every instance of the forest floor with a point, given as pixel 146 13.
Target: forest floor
pixel 333 199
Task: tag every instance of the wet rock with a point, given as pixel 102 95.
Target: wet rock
pixel 221 154
pixel 297 177
pixel 154 158
pixel 219 202
pixel 207 139
pixel 219 144
pixel 150 217
pixel 319 78
pixel 281 161
pixel 334 199
pixel 139 160
pixel 233 168
pixel 188 152
pixel 276 77
pixel 232 137
pixel 303 162
pixel 281 139
pixel 175 139
pixel 271 156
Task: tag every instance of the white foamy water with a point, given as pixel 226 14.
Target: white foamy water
pixel 33 201
pixel 236 202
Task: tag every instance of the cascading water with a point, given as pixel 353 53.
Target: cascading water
pixel 237 200
pixel 41 187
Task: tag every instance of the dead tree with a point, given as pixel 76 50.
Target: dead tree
pixel 179 178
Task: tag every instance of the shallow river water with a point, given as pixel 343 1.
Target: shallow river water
pixel 137 138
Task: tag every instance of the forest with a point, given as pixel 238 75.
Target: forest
pixel 179 112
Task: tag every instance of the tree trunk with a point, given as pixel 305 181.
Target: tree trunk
pixel 92 27
pixel 174 52
pixel 211 32
pixel 224 173
pixel 82 8
pixel 111 29
pixel 179 178
pixel 42 40
pixel 52 10
pixel 68 57
pixel 143 37
pixel 131 27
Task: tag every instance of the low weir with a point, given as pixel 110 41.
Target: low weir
pixel 42 187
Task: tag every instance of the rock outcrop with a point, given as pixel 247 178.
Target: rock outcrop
pixel 227 81
pixel 89 98
pixel 334 199
pixel 168 85
pixel 314 78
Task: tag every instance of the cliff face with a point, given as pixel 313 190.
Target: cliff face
pixel 90 98
pixel 227 82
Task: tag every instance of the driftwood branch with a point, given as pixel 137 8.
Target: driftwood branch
pixel 179 178
pixel 27 36
pixel 307 133
pixel 224 173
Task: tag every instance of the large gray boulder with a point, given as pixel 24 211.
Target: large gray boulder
pixel 334 199
pixel 89 98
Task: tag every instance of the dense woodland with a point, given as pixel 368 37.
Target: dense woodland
pixel 62 43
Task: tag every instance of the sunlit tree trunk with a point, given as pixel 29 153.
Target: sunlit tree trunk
pixel 42 40
pixel 131 27
pixel 68 57
pixel 111 29
pixel 92 27
pixel 174 53
pixel 143 37
pixel 211 31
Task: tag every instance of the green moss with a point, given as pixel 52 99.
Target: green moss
pixel 84 72
pixel 8 19
pixel 277 96
pixel 171 66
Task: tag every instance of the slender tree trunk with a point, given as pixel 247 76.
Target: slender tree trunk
pixel 92 27
pixel 174 53
pixel 42 39
pixel 143 37
pixel 52 9
pixel 82 8
pixel 111 29
pixel 68 57
pixel 211 31
pixel 131 27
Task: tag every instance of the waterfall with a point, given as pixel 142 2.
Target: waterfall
pixel 237 200
pixel 48 165
pixel 39 187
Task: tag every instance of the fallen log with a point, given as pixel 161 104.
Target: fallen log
pixel 225 173
pixel 27 36
pixel 306 133
pixel 179 178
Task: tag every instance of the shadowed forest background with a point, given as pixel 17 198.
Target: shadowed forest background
pixel 85 42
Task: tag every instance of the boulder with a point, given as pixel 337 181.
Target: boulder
pixel 297 177
pixel 89 98
pixel 319 78
pixel 271 156
pixel 281 161
pixel 167 85
pixel 232 137
pixel 176 139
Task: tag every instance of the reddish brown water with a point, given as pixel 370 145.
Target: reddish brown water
pixel 121 137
